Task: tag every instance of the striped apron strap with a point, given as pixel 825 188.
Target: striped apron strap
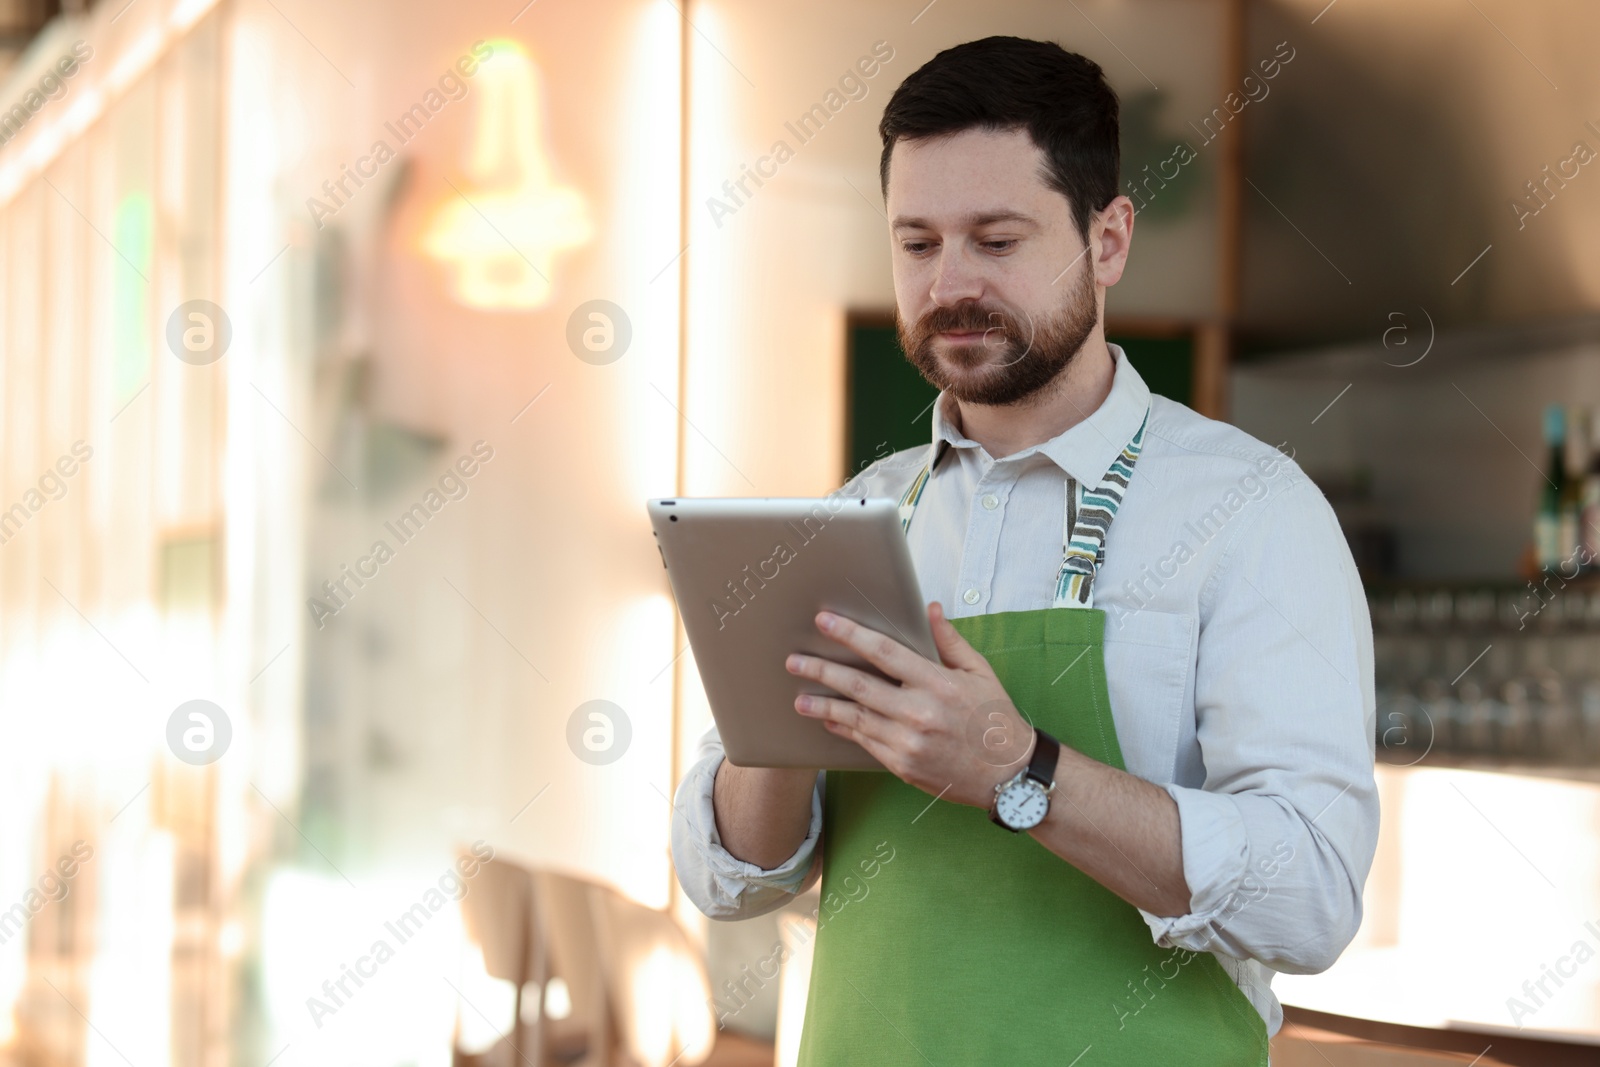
pixel 913 493
pixel 1086 520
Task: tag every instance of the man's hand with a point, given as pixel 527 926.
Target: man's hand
pixel 949 729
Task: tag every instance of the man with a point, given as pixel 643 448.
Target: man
pixel 1156 659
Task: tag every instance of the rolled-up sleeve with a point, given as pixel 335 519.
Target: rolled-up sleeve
pixel 721 885
pixel 1278 842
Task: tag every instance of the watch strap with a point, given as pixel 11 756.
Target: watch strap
pixel 1046 754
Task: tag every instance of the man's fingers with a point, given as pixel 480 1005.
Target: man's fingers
pixel 858 685
pixel 954 648
pixel 879 649
pixel 866 728
pixel 876 749
pixel 859 723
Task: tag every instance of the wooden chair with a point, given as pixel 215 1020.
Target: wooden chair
pixel 655 980
pixel 533 928
pixel 587 1035
pixel 630 988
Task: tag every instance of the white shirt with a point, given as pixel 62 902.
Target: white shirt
pixel 1238 653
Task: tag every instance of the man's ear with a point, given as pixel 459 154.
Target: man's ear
pixel 1111 235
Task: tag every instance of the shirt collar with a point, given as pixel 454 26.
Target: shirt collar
pixel 1086 450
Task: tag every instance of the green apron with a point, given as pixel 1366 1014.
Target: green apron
pixel 945 940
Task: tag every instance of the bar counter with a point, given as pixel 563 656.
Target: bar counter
pixel 1482 916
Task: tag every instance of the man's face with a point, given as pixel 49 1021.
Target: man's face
pixel 995 290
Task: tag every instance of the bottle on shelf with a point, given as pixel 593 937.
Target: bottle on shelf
pixel 1589 523
pixel 1575 464
pixel 1553 490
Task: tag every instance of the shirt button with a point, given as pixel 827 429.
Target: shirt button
pixel 971 596
pixel 991 501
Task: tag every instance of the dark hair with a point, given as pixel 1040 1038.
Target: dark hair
pixel 1006 83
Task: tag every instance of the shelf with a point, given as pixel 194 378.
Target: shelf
pixel 1514 765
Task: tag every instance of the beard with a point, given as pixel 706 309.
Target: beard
pixel 1013 360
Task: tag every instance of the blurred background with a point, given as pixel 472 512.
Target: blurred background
pixel 341 692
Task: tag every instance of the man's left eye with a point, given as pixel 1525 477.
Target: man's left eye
pixel 1000 246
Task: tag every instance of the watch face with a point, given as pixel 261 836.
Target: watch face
pixel 1022 805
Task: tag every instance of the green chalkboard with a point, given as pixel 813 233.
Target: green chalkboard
pixel 890 404
pixel 1165 363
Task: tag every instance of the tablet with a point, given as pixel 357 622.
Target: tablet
pixel 750 575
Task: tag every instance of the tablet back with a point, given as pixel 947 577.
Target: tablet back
pixel 750 575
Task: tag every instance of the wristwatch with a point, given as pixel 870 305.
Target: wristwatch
pixel 1021 802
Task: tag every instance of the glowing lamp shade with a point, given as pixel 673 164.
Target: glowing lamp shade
pixel 499 237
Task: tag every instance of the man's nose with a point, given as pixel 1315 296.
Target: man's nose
pixel 958 278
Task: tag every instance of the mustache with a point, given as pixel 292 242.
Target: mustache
pixel 964 317
pixel 1000 328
